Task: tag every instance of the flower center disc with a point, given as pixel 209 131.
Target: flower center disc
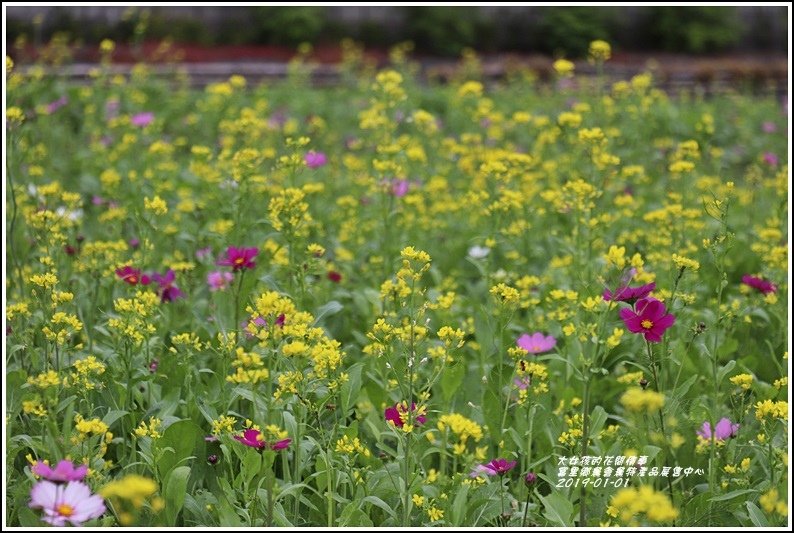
pixel 65 510
pixel 647 324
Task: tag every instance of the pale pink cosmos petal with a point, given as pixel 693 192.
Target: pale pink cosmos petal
pixel 43 495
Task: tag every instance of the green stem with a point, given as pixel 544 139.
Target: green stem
pixel 526 508
pixel 271 478
pixel 661 419
pixel 585 437
pixel 12 222
pixel 329 494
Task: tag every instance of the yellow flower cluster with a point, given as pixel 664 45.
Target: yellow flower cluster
pixel 152 429
pixel 135 490
pixel 682 262
pixel 350 446
pixel 187 340
pixel 599 51
pixel 571 436
pixel 291 331
pixel 288 212
pixel 506 295
pixel 771 410
pixel 134 312
pixel 156 205
pixel 249 368
pixel 563 68
pixel 65 326
pixel 34 407
pixel 462 427
pixel 17 309
pixel 224 424
pixel 771 503
pixel 744 381
pixel 631 378
pixel 84 371
pixel 630 503
pixel 46 380
pixel 637 400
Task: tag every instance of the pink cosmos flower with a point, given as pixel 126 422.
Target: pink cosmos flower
pixel 398 414
pixel 723 430
pixel 72 502
pixel 52 107
pixel 481 469
pixel 500 466
pixel 536 343
pixel 399 188
pixel 203 253
pixel 168 291
pixel 315 159
pixel 219 281
pixel 651 319
pixel 142 120
pixel 255 439
pixel 769 127
pixel 239 258
pixel 334 276
pixel 770 159
pixel 629 294
pixel 132 276
pixel 759 284
pixel 64 471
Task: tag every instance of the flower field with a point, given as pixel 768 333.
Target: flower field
pixel 394 303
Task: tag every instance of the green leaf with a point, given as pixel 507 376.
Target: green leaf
pixel 557 509
pixel 597 420
pixel 757 517
pixel 731 495
pixel 252 462
pixel 351 388
pixel 174 490
pixel 374 500
pixel 492 411
pixel 331 308
pixel 177 444
pixel 452 379
pixel 722 372
pixel 458 512
pixel 112 416
pixel 354 516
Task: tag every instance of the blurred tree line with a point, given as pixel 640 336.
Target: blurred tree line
pixel 439 30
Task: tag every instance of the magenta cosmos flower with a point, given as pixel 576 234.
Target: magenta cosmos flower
pixel 629 294
pixel 142 120
pixel 239 258
pixel 536 343
pixel 132 276
pixel 219 281
pixel 770 159
pixel 64 471
pixel 500 466
pixel 168 291
pixel 651 319
pixel 315 159
pixel 399 188
pixel 398 414
pixel 759 284
pixel 723 430
pixel 255 439
pixel 72 502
